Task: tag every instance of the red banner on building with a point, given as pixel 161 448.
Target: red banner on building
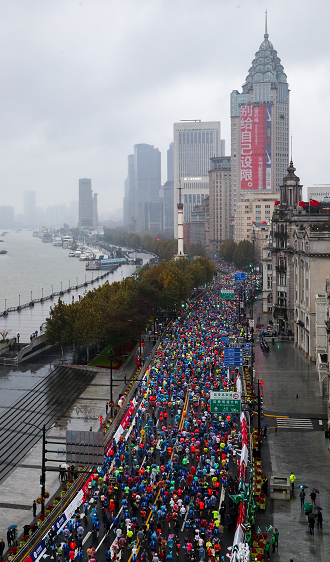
pixel 254 147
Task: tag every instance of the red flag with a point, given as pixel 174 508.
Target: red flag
pixel 277 202
pixel 314 203
pixel 302 204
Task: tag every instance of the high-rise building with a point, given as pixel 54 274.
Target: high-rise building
pixel 7 217
pixel 129 218
pixel 30 208
pixel 85 203
pixel 195 142
pixel 95 214
pixel 170 162
pixel 220 205
pixel 147 183
pixel 260 126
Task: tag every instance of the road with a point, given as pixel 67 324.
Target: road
pixel 171 454
pixel 291 388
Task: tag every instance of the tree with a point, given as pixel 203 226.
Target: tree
pixel 243 255
pixel 59 326
pixel 227 249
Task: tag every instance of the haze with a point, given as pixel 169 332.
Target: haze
pixel 83 81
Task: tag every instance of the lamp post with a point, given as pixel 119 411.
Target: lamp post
pixel 111 388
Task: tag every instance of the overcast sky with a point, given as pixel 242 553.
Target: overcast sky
pixel 83 81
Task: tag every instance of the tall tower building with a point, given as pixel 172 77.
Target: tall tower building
pixel 195 142
pixel 86 205
pixel 129 218
pixel 30 208
pixel 260 126
pixel 147 183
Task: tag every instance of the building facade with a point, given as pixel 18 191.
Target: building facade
pixel 85 203
pixel 318 191
pixel 253 212
pixel 260 126
pixel 30 208
pixel 168 206
pixel 199 224
pixel 147 184
pixel 296 262
pixel 129 205
pixel 195 142
pixel 311 269
pixel 220 202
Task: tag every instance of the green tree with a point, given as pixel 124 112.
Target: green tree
pixel 243 255
pixel 227 249
pixel 59 325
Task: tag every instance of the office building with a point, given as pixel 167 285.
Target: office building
pixel 85 203
pixel 199 225
pixel 7 217
pixel 95 214
pixel 129 217
pixel 170 162
pixel 260 126
pixel 220 202
pixel 318 191
pixel 30 208
pixel 168 206
pixel 195 142
pixel 253 212
pixel 147 183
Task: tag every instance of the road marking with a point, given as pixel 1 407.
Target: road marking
pixel 294 423
pixel 86 537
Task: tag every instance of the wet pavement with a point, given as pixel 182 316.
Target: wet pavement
pixel 22 485
pixel 300 448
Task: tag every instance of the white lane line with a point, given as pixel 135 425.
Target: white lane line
pixel 86 537
pixel 294 423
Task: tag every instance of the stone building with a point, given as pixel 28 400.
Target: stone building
pixel 296 263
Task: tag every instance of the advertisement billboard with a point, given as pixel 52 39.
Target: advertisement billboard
pixel 255 123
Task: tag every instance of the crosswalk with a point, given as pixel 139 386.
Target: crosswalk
pixel 294 423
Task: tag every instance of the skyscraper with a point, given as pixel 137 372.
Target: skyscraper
pixel 30 209
pixel 195 142
pixel 260 126
pixel 129 218
pixel 85 203
pixel 170 162
pixel 147 183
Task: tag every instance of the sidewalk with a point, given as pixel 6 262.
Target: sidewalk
pixel 286 373
pixel 22 486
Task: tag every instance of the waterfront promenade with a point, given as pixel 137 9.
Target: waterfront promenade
pixel 22 485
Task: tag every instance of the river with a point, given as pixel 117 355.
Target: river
pixel 34 269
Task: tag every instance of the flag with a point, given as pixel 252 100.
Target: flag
pixel 269 529
pixel 258 530
pixel 314 203
pixel 277 202
pixel 302 204
pixel 264 222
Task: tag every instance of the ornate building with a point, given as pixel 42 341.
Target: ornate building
pixel 260 126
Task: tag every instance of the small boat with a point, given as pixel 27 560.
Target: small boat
pixel 71 254
pixel 77 254
pixel 1 240
pixel 3 251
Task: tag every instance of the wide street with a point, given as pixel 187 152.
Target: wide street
pixel 298 445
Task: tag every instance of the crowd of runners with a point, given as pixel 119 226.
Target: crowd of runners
pixel 164 491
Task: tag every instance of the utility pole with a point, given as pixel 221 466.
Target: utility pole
pixel 43 470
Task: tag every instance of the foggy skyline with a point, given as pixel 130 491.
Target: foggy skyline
pixel 82 82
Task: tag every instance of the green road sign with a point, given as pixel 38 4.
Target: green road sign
pixel 225 402
pixel 228 295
